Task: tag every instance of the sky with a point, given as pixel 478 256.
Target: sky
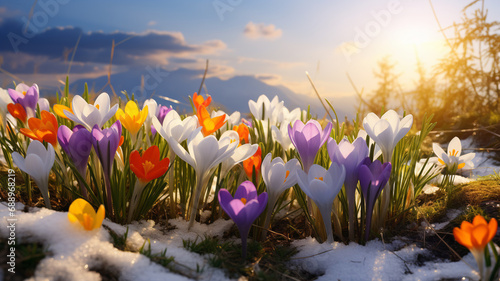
pixel 275 41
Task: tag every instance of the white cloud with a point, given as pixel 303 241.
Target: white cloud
pixel 151 23
pixel 261 30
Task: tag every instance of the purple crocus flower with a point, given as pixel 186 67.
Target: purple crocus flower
pixel 26 96
pixel 162 112
pixel 243 209
pixel 350 155
pixel 308 139
pixel 372 179
pixel 77 144
pixel 105 144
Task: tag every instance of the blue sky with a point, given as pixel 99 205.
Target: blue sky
pixel 276 41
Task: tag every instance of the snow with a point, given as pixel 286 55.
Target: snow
pixel 75 253
pixel 483 165
pixel 376 261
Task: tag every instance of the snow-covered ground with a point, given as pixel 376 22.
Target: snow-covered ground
pixel 376 261
pixel 74 253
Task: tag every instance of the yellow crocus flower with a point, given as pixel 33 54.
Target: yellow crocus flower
pixel 132 118
pixel 81 211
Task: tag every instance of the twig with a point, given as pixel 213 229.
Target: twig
pixel 440 238
pixel 320 253
pixel 74 52
pixel 30 16
pixel 203 80
pixel 319 97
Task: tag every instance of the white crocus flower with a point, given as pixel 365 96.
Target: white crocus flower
pixel 240 154
pixel 281 136
pixel 322 186
pixel 387 130
pixel 4 101
pixel 37 164
pixel 44 104
pixel 453 160
pixel 264 109
pixel 203 154
pixel 173 126
pixel 286 117
pixel 376 151
pixel 278 177
pixel 90 115
pixel 178 131
pixel 232 119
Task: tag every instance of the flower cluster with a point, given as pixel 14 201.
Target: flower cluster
pixel 128 157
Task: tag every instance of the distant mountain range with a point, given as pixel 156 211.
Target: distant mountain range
pixel 231 94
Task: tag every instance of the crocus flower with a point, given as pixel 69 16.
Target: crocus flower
pixel 105 143
pixel 285 116
pixel 243 209
pixel 147 168
pixel 81 211
pixel 199 100
pixel 243 132
pixel 37 164
pixel 281 136
pixel 266 110
pixel 278 177
pixel 453 160
pixel 231 120
pixel 59 110
pixel 43 129
pixel 178 130
pixel 77 144
pixel 387 130
pixel 43 104
pixel 132 119
pixel 308 139
pixel 173 125
pixel 26 96
pixel 241 153
pixel 4 101
pixel 161 113
pixel 350 155
pixel 204 153
pixel 253 163
pixel 376 150
pixel 322 186
pixel 17 111
pixel 208 124
pixel 372 179
pixel 476 236
pixel 90 115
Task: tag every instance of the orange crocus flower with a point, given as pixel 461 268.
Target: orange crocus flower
pixel 149 166
pixel 43 129
pixel 476 235
pixel 209 125
pixel 243 132
pixel 199 100
pixel 254 161
pixel 17 111
pixel 59 110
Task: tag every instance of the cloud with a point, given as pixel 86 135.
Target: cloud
pixel 130 48
pixel 261 30
pixel 151 23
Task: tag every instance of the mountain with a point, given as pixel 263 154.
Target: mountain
pixel 231 94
